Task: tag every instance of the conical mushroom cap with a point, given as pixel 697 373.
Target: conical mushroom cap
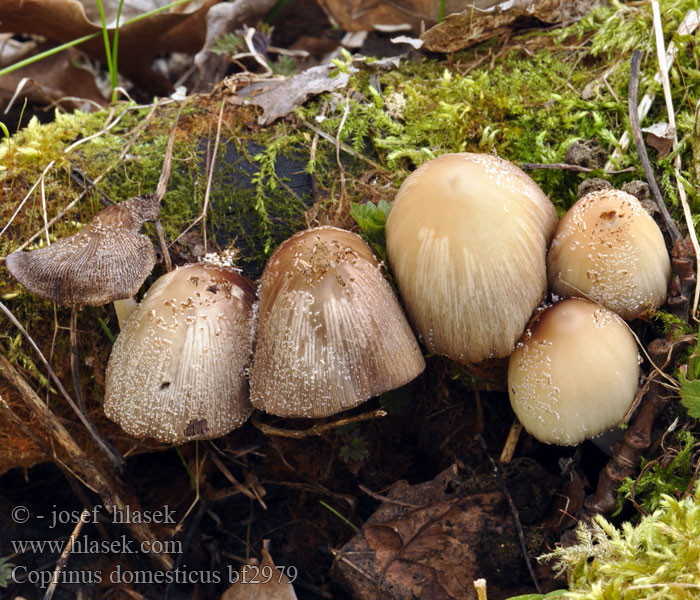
pixel 609 249
pixel 107 260
pixel 576 373
pixel 177 369
pixel 331 333
pixel 466 239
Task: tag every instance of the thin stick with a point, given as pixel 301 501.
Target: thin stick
pixel 104 446
pixel 568 167
pixel 74 359
pixel 511 442
pixel 641 148
pixel 317 429
pixel 663 69
pixel 63 559
pixel 210 176
pixel 514 512
pixel 688 25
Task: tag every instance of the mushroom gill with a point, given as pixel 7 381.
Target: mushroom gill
pixel 331 333
pixel 177 369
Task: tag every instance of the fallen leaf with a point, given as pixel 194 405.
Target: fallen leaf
pixel 660 136
pixel 250 585
pixel 279 98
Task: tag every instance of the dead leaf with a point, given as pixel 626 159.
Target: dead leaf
pixel 53 80
pixel 181 30
pixel 660 136
pixel 432 540
pixel 479 23
pixel 251 587
pixel 279 98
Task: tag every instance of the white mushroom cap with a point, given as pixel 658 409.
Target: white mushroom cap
pixel 576 373
pixel 466 239
pixel 177 369
pixel 331 333
pixel 609 249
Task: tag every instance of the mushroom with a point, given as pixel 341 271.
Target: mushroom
pixel 331 333
pixel 575 374
pixel 106 261
pixel 177 371
pixel 466 240
pixel 609 249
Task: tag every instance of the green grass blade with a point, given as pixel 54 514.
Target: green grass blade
pixel 105 37
pixel 37 57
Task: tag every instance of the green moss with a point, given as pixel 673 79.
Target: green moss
pixel 656 559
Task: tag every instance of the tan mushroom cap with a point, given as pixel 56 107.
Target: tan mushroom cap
pixel 576 373
pixel 107 260
pixel 466 240
pixel 177 369
pixel 609 249
pixel 331 333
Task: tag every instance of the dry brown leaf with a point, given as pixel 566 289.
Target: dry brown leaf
pixel 66 20
pixel 365 15
pixel 251 586
pixel 53 80
pixel 479 23
pixel 279 98
pixel 432 540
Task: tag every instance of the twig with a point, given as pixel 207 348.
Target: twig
pixel 568 167
pixel 105 447
pixel 688 25
pixel 641 148
pixel 514 512
pixel 63 559
pixel 316 429
pixel 663 69
pixel 74 359
pixel 210 176
pixel 381 498
pixel 511 441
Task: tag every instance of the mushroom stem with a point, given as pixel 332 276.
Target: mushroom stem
pixel 164 246
pixel 74 366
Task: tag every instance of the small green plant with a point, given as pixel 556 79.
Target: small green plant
pixel 658 558
pixel 111 52
pixel 5 572
pixel 371 219
pixel 670 475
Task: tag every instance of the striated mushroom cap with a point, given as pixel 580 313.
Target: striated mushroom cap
pixel 177 369
pixel 466 239
pixel 331 333
pixel 576 373
pixel 107 260
pixel 609 249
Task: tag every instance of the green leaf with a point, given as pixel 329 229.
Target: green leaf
pixel 690 393
pixel 371 219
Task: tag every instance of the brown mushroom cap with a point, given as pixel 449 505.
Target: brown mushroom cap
pixel 177 369
pixel 466 239
pixel 576 373
pixel 331 333
pixel 609 249
pixel 107 260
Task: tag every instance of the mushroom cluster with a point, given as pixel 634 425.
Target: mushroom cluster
pixel 331 333
pixel 466 240
pixel 177 369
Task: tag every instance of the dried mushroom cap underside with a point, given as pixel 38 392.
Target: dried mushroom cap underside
pixel 331 333
pixel 609 249
pixel 466 239
pixel 107 260
pixel 177 369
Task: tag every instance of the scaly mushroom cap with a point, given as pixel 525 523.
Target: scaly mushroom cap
pixel 177 369
pixel 609 249
pixel 466 239
pixel 331 333
pixel 107 260
pixel 576 373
